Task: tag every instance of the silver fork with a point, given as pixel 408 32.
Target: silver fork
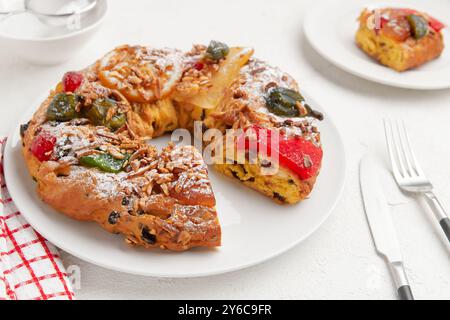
pixel 407 171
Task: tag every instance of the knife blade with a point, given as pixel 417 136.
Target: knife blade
pixel 380 223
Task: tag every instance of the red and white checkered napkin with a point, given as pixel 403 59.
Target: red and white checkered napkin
pixel 30 267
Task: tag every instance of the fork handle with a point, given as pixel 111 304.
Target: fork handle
pixel 445 224
pixel 439 212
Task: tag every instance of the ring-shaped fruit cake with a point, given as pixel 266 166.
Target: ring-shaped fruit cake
pixel 87 145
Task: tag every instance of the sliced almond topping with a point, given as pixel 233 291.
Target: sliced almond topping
pixel 165 188
pixel 128 145
pixel 87 153
pixel 135 165
pixel 90 146
pixel 139 172
pixel 184 237
pixel 301 108
pixel 137 154
pixel 149 189
pixel 115 153
pixel 131 132
pixel 107 135
pixel 139 204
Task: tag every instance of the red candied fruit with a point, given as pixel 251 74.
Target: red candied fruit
pixel 199 66
pixel 299 155
pixel 71 81
pixel 435 24
pixel 42 146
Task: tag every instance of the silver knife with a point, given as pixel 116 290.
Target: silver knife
pixel 381 227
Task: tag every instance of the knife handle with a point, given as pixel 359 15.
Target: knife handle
pixel 439 212
pixel 401 281
pixel 405 293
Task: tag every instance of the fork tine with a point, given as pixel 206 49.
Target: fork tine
pixel 390 142
pixel 398 152
pixel 417 167
pixel 404 148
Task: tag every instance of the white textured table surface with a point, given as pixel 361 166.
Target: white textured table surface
pixel 338 261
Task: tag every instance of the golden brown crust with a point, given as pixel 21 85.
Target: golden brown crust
pixel 393 46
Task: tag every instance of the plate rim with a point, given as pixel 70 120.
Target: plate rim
pixel 307 27
pixel 111 266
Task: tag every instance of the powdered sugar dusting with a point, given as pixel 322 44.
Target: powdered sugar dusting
pixel 258 78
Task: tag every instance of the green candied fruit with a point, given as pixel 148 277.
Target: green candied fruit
pixel 419 26
pixel 217 50
pixel 97 114
pixel 117 121
pixel 283 102
pixel 63 107
pixel 104 162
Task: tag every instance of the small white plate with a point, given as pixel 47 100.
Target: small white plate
pixel 330 28
pixel 27 37
pixel 254 228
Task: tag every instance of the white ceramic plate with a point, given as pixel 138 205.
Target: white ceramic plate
pixel 330 28
pixel 254 228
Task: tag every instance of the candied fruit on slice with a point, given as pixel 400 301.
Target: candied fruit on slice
pixel 72 81
pixel 43 145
